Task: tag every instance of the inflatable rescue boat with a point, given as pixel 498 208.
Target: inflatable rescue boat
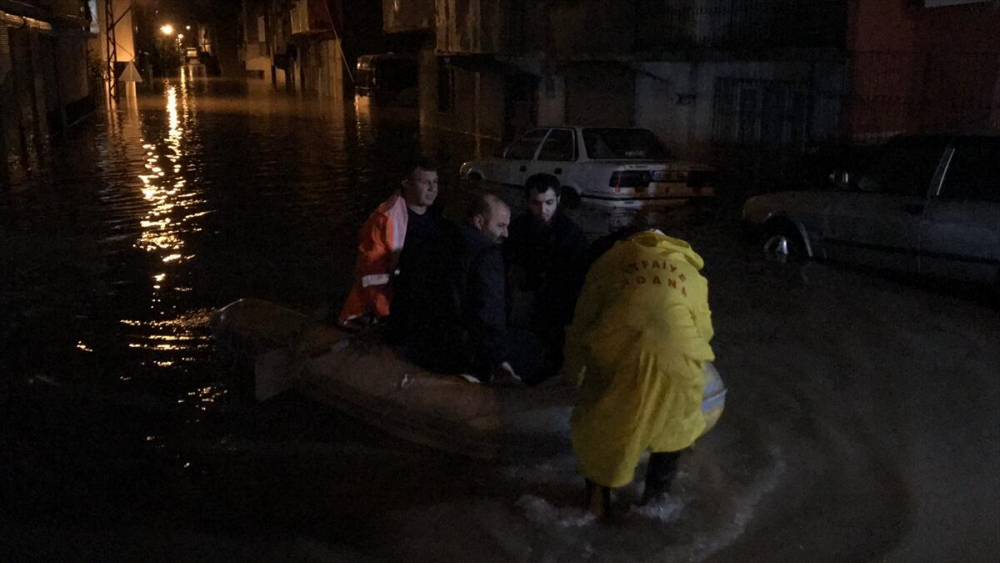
pixel 369 381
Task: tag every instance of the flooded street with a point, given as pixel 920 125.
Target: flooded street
pixel 862 422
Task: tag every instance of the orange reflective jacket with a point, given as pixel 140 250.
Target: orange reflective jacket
pixel 379 245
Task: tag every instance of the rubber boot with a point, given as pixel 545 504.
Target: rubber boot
pixel 660 475
pixel 598 499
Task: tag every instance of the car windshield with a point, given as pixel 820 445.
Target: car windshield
pixel 620 144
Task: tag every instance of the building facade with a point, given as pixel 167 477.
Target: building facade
pixel 308 46
pixel 45 84
pixel 742 82
pixel 923 66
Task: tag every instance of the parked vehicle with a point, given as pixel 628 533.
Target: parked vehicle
pixel 389 79
pixel 621 167
pixel 926 205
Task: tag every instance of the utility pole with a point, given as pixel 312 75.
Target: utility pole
pixel 110 24
pixel 112 47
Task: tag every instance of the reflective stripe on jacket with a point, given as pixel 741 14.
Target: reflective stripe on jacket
pixel 379 245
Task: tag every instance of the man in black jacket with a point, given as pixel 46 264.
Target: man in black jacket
pixel 547 260
pixel 450 315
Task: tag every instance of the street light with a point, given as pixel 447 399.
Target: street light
pixel 167 29
pixel 180 36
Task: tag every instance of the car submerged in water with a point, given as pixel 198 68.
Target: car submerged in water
pixel 620 167
pixel 922 204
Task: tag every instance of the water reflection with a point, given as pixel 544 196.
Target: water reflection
pixel 174 206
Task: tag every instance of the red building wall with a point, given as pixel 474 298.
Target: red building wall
pixel 917 68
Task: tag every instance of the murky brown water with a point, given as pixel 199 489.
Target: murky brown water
pixel 125 432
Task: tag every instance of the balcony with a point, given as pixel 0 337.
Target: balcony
pixel 400 16
pixel 473 26
pixel 312 16
pixel 68 9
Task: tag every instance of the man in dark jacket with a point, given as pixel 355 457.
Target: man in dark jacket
pixel 450 316
pixel 547 259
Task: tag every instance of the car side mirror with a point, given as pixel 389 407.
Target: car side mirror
pixel 841 179
pixel 499 152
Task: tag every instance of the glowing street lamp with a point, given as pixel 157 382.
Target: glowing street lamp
pixel 167 29
pixel 180 36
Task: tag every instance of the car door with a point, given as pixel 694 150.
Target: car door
pixel 961 234
pixel 878 223
pixel 557 153
pixel 513 167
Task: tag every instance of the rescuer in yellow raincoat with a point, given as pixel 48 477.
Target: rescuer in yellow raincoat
pixel 637 347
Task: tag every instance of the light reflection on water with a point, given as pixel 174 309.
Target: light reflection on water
pixel 174 211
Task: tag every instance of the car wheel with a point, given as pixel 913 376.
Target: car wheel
pixel 475 180
pixel 783 245
pixel 570 198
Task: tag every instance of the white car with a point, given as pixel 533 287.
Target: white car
pixel 621 167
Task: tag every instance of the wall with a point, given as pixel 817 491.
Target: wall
pixel 552 100
pixel 588 29
pixel 478 107
pixel 71 67
pixel 600 94
pixel 473 26
pixel 26 93
pixel 678 99
pixel 226 47
pixel 923 69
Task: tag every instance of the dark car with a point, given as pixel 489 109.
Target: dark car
pixel 926 205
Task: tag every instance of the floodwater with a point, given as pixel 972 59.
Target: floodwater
pixel 861 424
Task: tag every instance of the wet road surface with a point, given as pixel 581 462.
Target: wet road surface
pixel 862 420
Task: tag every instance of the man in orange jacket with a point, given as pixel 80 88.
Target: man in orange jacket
pixel 403 218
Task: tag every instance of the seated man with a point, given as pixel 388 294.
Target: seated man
pixel 405 217
pixel 547 258
pixel 450 316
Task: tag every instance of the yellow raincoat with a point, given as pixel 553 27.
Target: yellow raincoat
pixel 637 345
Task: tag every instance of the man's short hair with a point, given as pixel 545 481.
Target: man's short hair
pixel 419 161
pixel 482 204
pixel 541 183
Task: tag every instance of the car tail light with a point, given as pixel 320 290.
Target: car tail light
pixel 630 179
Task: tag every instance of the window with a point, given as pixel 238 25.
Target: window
pixel 525 147
pixel 904 167
pixel 766 112
pixel 974 172
pixel 623 144
pixel 558 146
pixel 749 117
pixel 446 87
